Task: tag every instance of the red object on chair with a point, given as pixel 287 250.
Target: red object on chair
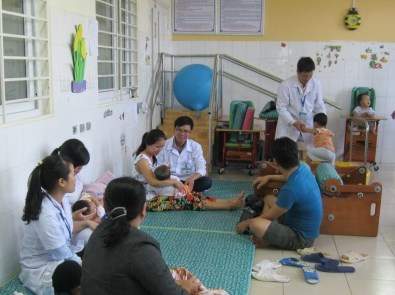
pixel 248 119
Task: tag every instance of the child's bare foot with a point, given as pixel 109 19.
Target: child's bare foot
pixel 237 202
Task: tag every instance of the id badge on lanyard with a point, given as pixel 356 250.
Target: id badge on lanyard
pixel 302 113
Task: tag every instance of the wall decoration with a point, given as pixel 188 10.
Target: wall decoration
pixel 328 56
pixel 352 20
pixel 79 51
pixel 376 58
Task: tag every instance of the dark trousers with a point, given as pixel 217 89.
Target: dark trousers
pixel 202 184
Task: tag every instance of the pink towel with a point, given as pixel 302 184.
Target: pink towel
pixel 248 119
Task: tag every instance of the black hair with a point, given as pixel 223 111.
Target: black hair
pixel 360 96
pixel 321 119
pixel 150 138
pixel 75 151
pixel 183 120
pixel 162 172
pixel 43 179
pixel 124 200
pixel 79 205
pixel 305 65
pixel 285 152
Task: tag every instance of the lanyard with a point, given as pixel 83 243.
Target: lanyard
pixel 302 98
pixel 63 218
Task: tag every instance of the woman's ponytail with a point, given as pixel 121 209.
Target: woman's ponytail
pixel 143 144
pixel 43 180
pixel 118 226
pixel 34 197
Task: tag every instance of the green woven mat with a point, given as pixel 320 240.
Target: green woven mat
pixel 205 241
pixel 219 260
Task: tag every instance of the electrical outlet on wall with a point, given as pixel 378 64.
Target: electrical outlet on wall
pixel 82 127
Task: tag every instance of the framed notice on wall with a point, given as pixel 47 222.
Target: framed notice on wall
pixel 226 17
pixel 194 16
pixel 241 16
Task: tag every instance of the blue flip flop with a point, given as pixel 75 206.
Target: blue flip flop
pixel 310 274
pixel 331 267
pixel 319 258
pixel 291 261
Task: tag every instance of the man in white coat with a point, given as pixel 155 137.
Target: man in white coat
pixel 185 156
pixel 298 99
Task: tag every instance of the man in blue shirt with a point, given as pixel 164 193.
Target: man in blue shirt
pixel 292 220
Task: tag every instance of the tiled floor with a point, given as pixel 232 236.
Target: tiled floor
pixel 376 276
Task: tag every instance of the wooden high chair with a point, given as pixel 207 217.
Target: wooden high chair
pixel 360 140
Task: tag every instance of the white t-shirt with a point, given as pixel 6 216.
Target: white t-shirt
pixel 359 111
pixel 140 177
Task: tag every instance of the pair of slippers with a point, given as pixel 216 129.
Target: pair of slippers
pixel 325 264
pixel 268 271
pixel 322 264
pixel 349 257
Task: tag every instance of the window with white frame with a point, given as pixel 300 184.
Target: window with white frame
pixel 24 62
pixel 117 60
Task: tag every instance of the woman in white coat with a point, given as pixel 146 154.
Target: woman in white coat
pixel 298 99
pixel 48 261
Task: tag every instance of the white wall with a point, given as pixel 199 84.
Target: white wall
pixel 23 145
pixel 337 80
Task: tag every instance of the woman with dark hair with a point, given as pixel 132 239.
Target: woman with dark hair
pixel 145 163
pixel 47 257
pixel 74 150
pixel 119 258
pixel 144 167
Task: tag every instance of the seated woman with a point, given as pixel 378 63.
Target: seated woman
pixel 78 155
pixel 47 257
pixel 119 258
pixel 143 170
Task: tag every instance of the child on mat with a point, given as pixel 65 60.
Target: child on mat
pixel 324 149
pixel 170 198
pixel 364 110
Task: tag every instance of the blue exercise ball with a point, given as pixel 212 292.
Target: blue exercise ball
pixel 192 86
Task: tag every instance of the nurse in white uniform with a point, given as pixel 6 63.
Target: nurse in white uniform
pixel 47 257
pixel 298 99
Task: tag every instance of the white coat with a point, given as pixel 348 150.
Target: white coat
pixel 295 104
pixel 46 243
pixel 186 163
